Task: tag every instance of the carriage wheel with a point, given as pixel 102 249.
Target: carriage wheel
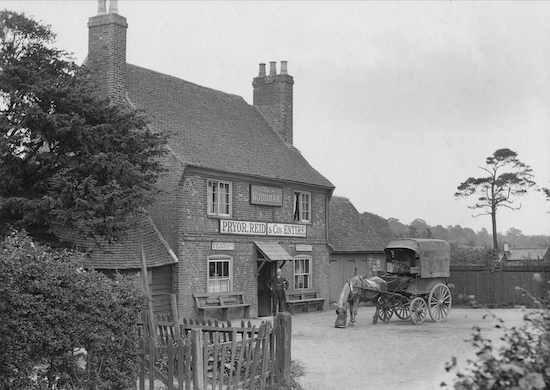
pixel 386 311
pixel 418 309
pixel 402 311
pixel 439 302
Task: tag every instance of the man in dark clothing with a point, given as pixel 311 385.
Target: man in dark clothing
pixel 278 286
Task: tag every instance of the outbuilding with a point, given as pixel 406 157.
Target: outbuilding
pixel 356 249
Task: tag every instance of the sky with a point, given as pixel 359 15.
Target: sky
pixel 396 103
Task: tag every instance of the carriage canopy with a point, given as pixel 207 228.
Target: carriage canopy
pixel 427 257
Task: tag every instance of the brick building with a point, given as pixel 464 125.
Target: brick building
pixel 355 248
pixel 238 199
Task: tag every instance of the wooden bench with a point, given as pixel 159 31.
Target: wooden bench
pixel 223 301
pixel 308 300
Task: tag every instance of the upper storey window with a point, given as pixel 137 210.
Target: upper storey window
pixel 302 206
pixel 219 198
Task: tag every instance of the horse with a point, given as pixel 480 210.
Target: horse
pixel 359 289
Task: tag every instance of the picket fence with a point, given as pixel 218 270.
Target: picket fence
pixel 204 355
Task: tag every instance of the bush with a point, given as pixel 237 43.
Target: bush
pixel 62 327
pixel 521 363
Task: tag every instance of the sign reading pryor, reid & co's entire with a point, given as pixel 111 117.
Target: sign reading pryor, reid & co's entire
pixel 261 228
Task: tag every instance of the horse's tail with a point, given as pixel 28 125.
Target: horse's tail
pixel 344 295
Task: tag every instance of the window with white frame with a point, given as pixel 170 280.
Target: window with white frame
pixel 302 206
pixel 302 272
pixel 219 198
pixel 220 273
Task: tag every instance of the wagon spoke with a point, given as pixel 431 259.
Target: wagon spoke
pixel 418 308
pixel 402 311
pixel 439 302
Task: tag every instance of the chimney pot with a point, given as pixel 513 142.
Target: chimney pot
pixel 262 70
pixel 101 9
pixel 272 96
pixel 273 68
pixel 284 67
pixel 113 6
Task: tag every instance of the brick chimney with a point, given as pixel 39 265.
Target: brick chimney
pixel 273 98
pixel 107 50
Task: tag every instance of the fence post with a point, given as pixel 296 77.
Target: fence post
pixel 198 362
pixel 175 316
pixel 283 339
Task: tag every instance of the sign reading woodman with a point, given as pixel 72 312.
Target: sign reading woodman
pixel 266 196
pixel 261 228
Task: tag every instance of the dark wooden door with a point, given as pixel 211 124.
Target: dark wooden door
pixel 264 294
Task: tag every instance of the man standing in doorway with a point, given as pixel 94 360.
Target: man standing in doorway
pixel 278 286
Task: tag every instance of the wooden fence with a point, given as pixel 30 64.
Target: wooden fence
pixel 208 355
pixel 498 287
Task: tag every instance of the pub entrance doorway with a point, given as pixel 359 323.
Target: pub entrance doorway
pixel 264 294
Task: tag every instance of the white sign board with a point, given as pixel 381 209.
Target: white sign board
pixel 223 246
pixel 304 248
pixel 261 228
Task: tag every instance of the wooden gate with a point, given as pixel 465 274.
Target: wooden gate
pixel 207 355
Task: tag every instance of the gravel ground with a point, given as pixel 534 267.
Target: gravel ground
pixel 396 355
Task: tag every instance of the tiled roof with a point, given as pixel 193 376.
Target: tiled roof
pixel 526 254
pixel 348 232
pixel 126 253
pixel 216 130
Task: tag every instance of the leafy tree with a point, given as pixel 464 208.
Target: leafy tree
pixel 379 224
pixel 50 308
pixel 413 232
pixel 471 238
pixel 440 232
pixel 484 237
pixel 506 177
pixel 398 229
pixel 419 224
pixel 66 155
pixel 427 233
pixel 456 233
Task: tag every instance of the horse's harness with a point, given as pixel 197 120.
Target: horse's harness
pixel 365 283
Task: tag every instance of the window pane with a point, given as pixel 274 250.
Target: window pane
pixel 219 275
pixel 302 273
pixel 297 281
pixel 212 197
pixel 224 198
pixel 225 271
pixel 211 269
pixel 305 207
pixel 219 197
pixel 302 206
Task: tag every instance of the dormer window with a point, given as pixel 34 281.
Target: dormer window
pixel 219 198
pixel 302 206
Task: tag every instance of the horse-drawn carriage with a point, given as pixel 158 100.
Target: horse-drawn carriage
pixel 415 283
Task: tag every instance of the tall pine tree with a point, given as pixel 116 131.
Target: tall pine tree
pixel 506 177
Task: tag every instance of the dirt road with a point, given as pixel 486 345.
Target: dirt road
pixel 397 355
